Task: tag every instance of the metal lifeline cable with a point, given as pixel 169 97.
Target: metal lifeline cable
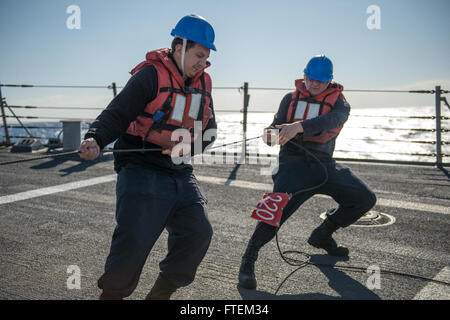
pixel 235 142
pixel 64 154
pixel 70 153
pixel 301 264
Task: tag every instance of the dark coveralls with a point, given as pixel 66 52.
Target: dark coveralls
pixel 298 170
pixel 152 194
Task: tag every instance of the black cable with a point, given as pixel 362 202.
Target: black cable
pixel 303 263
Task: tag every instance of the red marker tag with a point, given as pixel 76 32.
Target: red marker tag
pixel 270 208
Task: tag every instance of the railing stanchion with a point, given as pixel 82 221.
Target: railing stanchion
pixel 244 122
pixel 114 88
pixel 5 125
pixel 438 126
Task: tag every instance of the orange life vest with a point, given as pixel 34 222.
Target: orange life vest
pixel 303 107
pixel 176 105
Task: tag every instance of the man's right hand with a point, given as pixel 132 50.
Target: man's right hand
pixel 89 149
pixel 270 136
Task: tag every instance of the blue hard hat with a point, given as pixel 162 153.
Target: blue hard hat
pixel 197 29
pixel 319 68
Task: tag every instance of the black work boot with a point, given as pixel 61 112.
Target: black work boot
pixel 162 290
pixel 321 238
pixel 247 279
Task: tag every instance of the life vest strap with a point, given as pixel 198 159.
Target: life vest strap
pixel 202 99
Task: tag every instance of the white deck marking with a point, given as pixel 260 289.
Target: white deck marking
pixel 436 291
pixel 380 201
pixel 212 180
pixel 55 189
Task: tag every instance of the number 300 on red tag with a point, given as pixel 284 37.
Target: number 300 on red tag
pixel 270 208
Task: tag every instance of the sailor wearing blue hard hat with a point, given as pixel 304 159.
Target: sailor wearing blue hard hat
pixel 169 90
pixel 319 68
pixel 196 29
pixel 309 120
pixel 318 74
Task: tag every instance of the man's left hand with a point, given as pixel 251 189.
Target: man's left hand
pixel 288 131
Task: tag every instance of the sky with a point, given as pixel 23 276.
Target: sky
pixel 265 43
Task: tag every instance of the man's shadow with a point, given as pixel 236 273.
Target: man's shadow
pixel 339 281
pixel 80 166
pixel 233 174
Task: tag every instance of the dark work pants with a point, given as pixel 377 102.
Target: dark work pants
pixel 148 201
pixel 354 197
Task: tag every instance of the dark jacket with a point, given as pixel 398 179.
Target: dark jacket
pixel 336 118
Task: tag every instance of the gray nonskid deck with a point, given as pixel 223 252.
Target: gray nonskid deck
pixel 43 235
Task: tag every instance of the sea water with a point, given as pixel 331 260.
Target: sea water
pixel 403 134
